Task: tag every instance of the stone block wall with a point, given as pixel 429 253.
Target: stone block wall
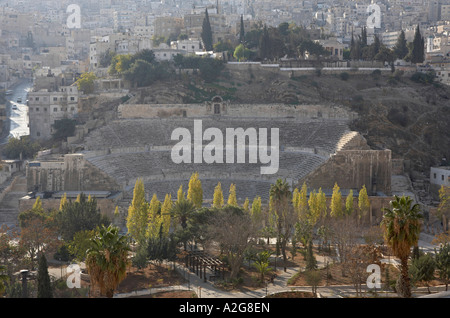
pixel 73 173
pixel 351 169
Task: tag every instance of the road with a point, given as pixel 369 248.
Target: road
pixel 18 111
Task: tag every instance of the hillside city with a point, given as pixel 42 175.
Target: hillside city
pixel 224 149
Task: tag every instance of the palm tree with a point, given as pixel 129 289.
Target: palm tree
pixel 107 259
pixel 261 263
pixel 401 224
pixel 182 210
pixel 280 194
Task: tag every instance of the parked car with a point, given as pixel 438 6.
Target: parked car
pixel 9 92
pixel 19 100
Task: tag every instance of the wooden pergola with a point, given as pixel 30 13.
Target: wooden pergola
pixel 199 261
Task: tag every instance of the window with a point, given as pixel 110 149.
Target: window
pixel 442 177
pixel 55 109
pixel 55 99
pixel 37 98
pixel 72 98
pixel 434 175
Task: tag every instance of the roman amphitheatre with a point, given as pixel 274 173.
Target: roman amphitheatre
pixel 331 131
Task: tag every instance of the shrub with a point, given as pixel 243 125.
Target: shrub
pixel 344 76
pixel 424 78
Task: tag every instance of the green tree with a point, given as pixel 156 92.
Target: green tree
pixel 401 48
pixel 107 260
pixel 63 128
pixel 417 52
pixel 43 279
pixel 232 229
pixel 241 53
pixel 106 58
pixel 311 262
pixel 355 49
pixel 442 258
pixel 206 33
pixel 422 269
pixel 242 31
pixel 265 44
pixel 79 216
pixel 401 226
pixel 261 263
pixel 313 278
pixel 120 63
pixel 85 82
pixel 81 243
pixel 182 212
pixel 285 215
pixel 22 146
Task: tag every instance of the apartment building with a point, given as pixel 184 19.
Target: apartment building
pixel 46 106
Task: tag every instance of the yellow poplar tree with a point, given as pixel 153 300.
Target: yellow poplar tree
pixel 195 191
pixel 62 201
pixel 363 202
pixel 165 213
pixel 78 199
pixel 349 203
pixel 37 206
pixel 138 212
pixel 232 195
pixel 302 202
pixel 180 194
pixel 154 217
pixel 336 202
pixel 218 196
pixel 322 203
pixel 314 208
pixel 246 205
pixel 256 209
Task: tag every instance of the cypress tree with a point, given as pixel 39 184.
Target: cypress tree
pixel 207 33
pixel 264 44
pixel 43 279
pixel 364 37
pixel 311 262
pixel 417 54
pixel 400 48
pixel 242 31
